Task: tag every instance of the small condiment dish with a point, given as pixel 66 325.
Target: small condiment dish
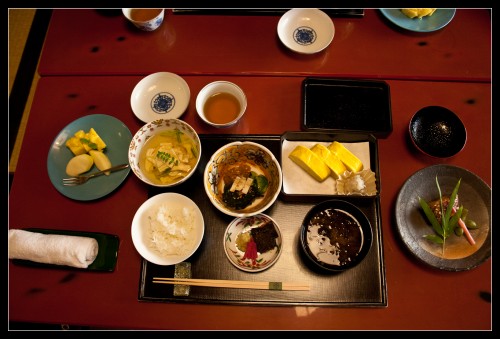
pixel 306 30
pixel 437 132
pixel 335 235
pixel 161 95
pixel 253 244
pixel 221 104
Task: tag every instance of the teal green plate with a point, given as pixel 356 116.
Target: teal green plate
pixel 440 18
pixel 106 257
pixel 117 137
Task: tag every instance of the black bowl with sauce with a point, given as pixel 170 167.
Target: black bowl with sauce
pixel 335 235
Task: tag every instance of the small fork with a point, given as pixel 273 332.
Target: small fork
pixel 74 181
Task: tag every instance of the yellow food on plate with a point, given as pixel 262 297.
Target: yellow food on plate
pixel 350 161
pixel 310 162
pixel 79 164
pixel 83 142
pixel 101 160
pixel 418 12
pixel 336 166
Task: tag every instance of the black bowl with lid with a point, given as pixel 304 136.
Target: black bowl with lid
pixel 335 235
pixel 437 132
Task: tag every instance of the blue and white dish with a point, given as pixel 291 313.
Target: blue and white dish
pixel 161 95
pixel 439 19
pixel 306 30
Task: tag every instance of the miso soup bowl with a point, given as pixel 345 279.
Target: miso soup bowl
pixel 155 127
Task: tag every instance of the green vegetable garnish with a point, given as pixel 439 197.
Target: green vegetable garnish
pixel 166 157
pixel 447 225
pixel 89 143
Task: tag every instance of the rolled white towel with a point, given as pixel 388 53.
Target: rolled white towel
pixel 55 249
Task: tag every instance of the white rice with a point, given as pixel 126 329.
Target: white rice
pixel 172 230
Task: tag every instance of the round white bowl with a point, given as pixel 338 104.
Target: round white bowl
pixel 149 130
pixel 236 255
pixel 260 159
pixel 215 88
pixel 161 95
pixel 142 226
pixel 306 30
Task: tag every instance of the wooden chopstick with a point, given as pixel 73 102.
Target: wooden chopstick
pixel 259 285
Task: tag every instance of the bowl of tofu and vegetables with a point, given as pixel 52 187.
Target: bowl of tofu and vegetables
pixel 165 152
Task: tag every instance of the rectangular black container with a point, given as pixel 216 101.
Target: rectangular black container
pixel 345 105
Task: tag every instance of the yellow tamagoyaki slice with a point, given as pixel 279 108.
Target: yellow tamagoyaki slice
pixel 336 166
pixel 350 161
pixel 310 162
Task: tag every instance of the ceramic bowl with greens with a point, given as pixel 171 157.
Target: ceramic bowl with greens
pixel 242 179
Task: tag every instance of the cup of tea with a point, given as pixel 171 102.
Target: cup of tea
pixel 146 19
pixel 221 103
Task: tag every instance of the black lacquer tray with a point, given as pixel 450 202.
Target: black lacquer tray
pixel 346 105
pixel 363 285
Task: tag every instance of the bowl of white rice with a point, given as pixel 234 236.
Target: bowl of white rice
pixel 167 229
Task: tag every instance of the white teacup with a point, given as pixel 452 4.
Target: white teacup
pixel 146 19
pixel 221 103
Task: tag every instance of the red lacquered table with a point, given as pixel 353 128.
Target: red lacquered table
pixel 110 300
pixel 100 42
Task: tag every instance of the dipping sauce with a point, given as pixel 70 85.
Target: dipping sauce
pixel 221 108
pixel 334 237
pixel 144 14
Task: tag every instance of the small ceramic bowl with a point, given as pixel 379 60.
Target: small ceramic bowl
pixel 253 244
pixel 242 179
pixel 221 104
pixel 335 235
pixel 161 95
pixel 306 30
pixel 146 19
pixel 174 130
pixel 167 229
pixel 437 132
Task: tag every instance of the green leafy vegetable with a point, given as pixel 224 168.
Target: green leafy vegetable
pixel 89 143
pixel 167 158
pixel 448 223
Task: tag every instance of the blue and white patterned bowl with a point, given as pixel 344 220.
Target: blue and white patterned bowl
pixel 306 30
pixel 145 25
pixel 161 95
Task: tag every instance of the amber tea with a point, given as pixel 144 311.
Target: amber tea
pixel 221 108
pixel 144 14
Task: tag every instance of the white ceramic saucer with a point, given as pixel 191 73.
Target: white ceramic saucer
pixel 161 95
pixel 306 30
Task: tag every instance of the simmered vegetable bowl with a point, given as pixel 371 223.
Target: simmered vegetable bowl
pixel 242 179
